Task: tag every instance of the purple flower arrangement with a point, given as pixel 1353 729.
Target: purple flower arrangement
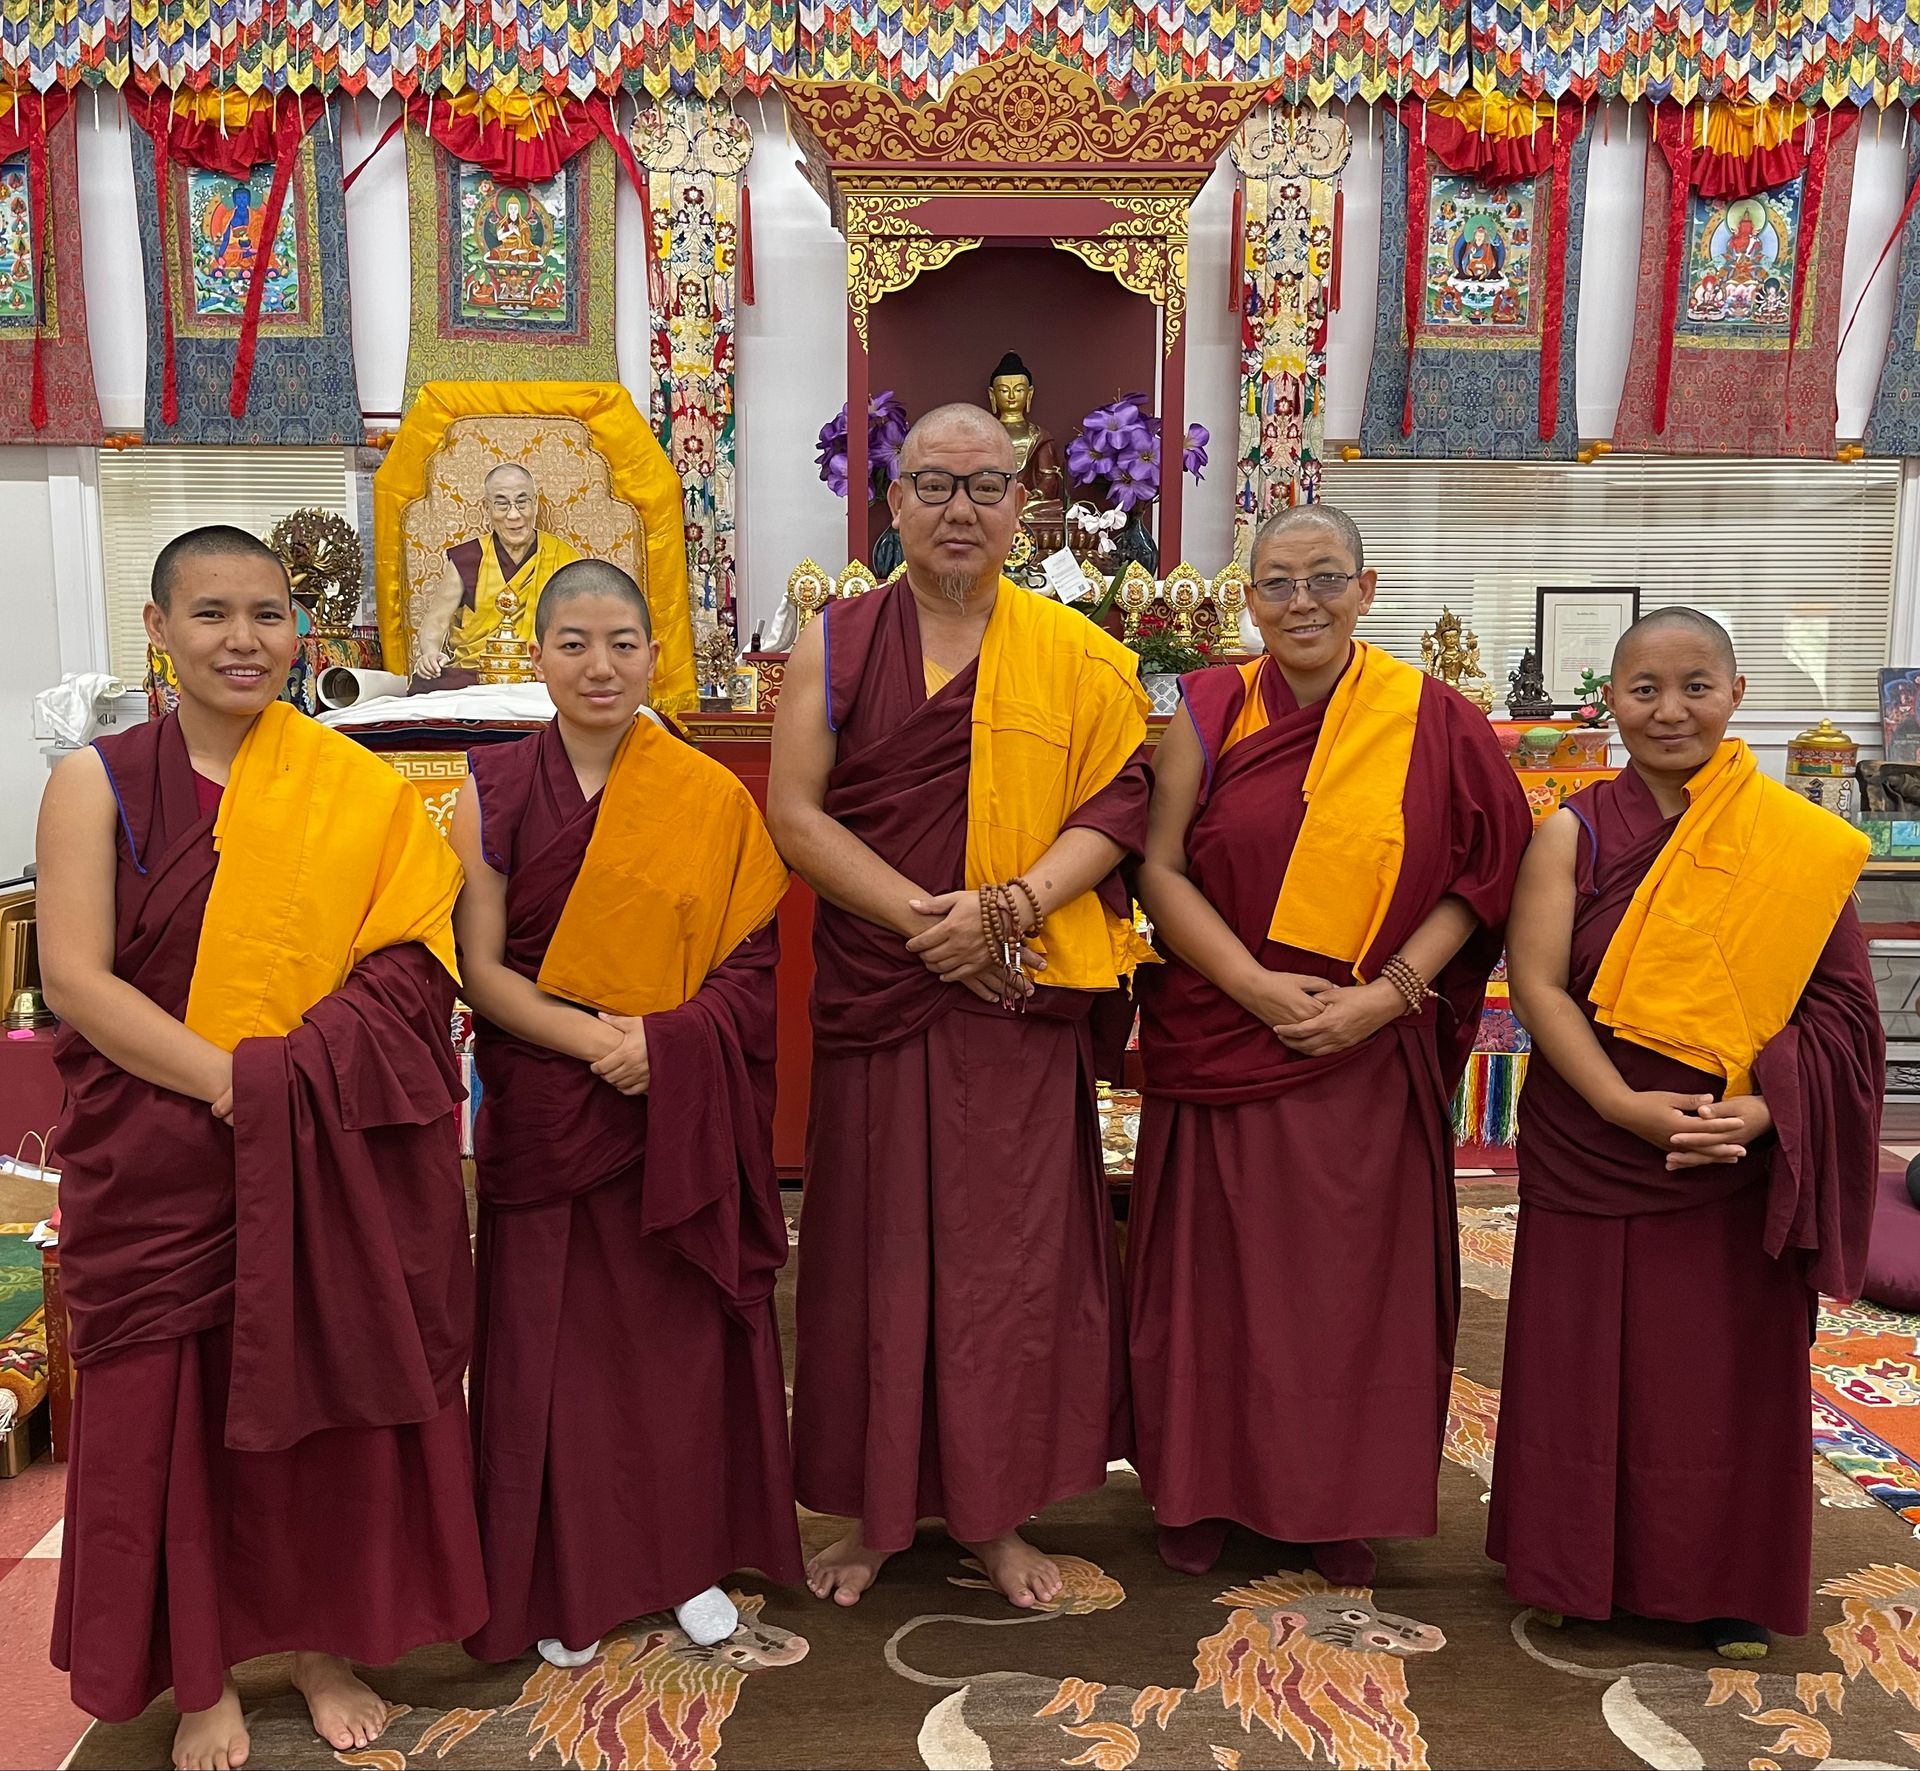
pixel 1117 453
pixel 886 431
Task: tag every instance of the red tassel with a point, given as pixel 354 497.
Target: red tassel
pixel 746 244
pixel 1680 170
pixel 288 133
pixel 393 129
pixel 41 195
pixel 1237 263
pixel 1553 308
pixel 1415 246
pixel 1339 239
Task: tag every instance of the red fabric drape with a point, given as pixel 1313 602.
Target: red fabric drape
pixel 271 135
pixel 498 149
pixel 1554 297
pixel 373 153
pixel 23 127
pixel 1412 116
pixel 1493 160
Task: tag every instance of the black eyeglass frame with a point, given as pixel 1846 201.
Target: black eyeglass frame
pixel 915 475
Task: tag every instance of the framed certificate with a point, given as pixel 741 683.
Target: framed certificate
pixel 1575 629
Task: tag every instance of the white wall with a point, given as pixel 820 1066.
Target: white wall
pixel 791 359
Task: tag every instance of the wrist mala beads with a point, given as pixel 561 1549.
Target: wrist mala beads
pixel 1407 981
pixel 1000 924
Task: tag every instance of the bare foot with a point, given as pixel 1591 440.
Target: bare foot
pixel 215 1739
pixel 346 1711
pixel 1192 1549
pixel 844 1569
pixel 1025 1576
pixel 1346 1562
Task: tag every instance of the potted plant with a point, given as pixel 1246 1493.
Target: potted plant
pixel 1590 709
pixel 1165 658
pixel 1114 464
pixel 886 431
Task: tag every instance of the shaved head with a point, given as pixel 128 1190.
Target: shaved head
pixel 215 541
pixel 958 423
pixel 508 473
pixel 1319 516
pixel 580 578
pixel 1676 618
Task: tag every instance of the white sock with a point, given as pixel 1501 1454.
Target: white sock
pixel 707 1617
pixel 555 1653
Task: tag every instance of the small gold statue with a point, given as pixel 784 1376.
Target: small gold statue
pixel 714 662
pixel 1454 657
pixel 1036 459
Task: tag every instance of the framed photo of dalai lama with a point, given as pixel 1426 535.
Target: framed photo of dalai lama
pixel 1575 629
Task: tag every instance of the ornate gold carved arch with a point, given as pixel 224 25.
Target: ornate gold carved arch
pixel 1019 148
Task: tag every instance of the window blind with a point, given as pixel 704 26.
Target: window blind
pixel 148 496
pixel 1795 559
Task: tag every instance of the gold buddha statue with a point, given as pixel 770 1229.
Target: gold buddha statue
pixel 1010 397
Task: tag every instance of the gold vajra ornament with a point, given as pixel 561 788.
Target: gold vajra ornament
pixel 1453 655
pixel 321 551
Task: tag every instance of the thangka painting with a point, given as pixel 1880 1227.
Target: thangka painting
pixel 1740 263
pixel 1483 329
pixel 43 303
pixel 510 282
pixel 302 388
pixel 1894 427
pixel 1290 163
pixel 694 153
pixel 1737 317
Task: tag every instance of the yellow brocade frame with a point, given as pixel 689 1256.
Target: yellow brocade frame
pixel 638 475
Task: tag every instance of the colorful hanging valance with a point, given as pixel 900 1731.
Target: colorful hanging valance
pixel 1737 320
pixel 1824 52
pixel 243 237
pixel 46 370
pixel 1482 213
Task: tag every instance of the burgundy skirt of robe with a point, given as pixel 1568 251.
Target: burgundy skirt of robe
pixel 1293 1281
pixel 960 1350
pixel 269 1443
pixel 1653 1452
pixel 629 1408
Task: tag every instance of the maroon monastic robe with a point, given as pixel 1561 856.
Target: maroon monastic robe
pixel 959 1350
pixel 629 1408
pixel 1653 1451
pixel 1292 1260
pixel 270 1446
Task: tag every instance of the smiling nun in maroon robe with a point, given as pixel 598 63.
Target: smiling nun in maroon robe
pixel 617 936
pixel 1699 1139
pixel 1334 838
pixel 245 925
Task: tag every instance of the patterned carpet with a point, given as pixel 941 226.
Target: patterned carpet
pixel 1256 1665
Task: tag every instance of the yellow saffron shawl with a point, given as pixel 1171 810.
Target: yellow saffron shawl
pixel 678 872
pixel 1346 860
pixel 326 856
pixel 1724 931
pixel 1057 713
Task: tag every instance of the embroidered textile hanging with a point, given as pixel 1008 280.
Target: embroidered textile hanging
pixel 1736 329
pixel 46 370
pixel 243 236
pixel 1482 212
pixel 1290 164
pixel 510 203
pixel 694 153
pixel 1894 427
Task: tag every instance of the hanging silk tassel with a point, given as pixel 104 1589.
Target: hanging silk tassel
pixel 746 244
pixel 288 133
pixel 1237 250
